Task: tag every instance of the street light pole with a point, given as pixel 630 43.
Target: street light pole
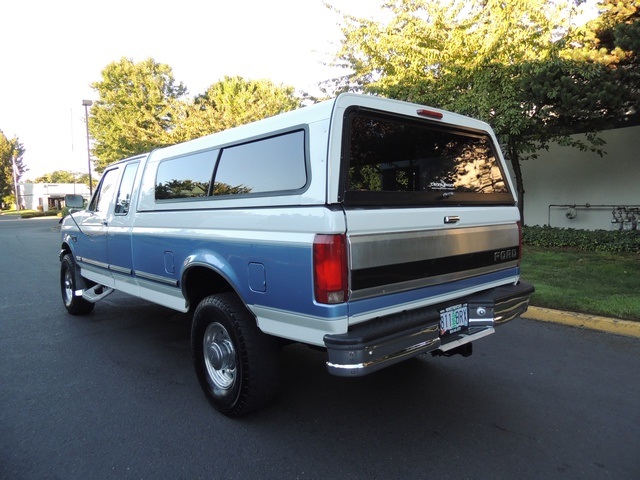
pixel 15 181
pixel 88 103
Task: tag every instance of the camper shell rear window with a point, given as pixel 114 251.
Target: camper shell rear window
pixel 396 160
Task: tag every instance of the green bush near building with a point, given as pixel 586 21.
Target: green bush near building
pixel 586 240
pixel 34 213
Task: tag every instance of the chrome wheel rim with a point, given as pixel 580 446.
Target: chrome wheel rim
pixel 219 358
pixel 68 287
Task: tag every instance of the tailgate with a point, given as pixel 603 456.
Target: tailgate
pixel 399 256
pixel 429 206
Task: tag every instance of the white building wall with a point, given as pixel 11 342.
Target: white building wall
pixel 33 195
pixel 566 176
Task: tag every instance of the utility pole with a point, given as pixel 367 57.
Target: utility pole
pixel 15 182
pixel 88 103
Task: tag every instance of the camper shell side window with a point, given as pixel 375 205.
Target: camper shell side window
pixel 276 164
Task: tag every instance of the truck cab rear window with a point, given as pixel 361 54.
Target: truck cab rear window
pixel 398 160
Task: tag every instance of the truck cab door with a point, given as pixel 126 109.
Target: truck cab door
pixel 119 233
pixel 92 250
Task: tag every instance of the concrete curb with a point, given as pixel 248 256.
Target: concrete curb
pixel 592 322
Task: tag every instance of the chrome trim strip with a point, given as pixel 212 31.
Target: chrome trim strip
pixel 382 352
pixel 367 367
pixel 115 268
pixel 377 250
pixel 106 266
pixel 156 278
pixel 94 263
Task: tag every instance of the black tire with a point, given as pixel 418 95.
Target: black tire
pixel 75 305
pixel 236 364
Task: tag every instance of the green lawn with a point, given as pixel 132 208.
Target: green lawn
pixel 597 283
pixel 16 213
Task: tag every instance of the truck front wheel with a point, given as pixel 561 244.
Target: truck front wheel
pixel 236 364
pixel 75 305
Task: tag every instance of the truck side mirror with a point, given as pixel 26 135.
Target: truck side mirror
pixel 74 201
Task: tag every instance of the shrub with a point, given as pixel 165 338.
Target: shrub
pixel 32 214
pixel 588 240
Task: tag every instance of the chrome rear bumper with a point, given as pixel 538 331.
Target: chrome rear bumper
pixel 388 340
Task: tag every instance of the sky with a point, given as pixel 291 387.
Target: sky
pixel 53 50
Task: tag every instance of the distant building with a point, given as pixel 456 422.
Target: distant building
pixel 48 196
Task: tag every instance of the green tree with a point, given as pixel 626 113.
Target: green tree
pixel 613 39
pixel 136 111
pixel 231 102
pixel 65 176
pixel 8 150
pixel 508 63
pixel 57 176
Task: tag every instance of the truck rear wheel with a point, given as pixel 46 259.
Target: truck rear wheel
pixel 236 364
pixel 74 304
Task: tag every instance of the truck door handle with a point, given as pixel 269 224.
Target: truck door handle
pixel 451 219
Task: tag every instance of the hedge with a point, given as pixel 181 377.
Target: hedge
pixel 590 240
pixel 48 213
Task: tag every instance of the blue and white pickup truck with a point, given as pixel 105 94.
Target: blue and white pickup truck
pixel 374 229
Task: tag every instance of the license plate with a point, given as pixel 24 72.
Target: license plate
pixel 453 319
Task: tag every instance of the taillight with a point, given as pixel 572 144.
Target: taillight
pixel 330 269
